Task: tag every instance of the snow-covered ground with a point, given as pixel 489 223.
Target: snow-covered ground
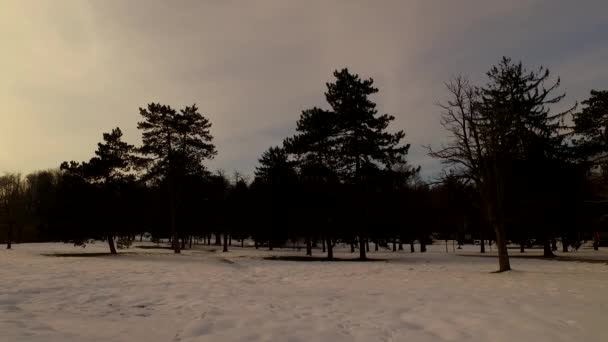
pixel 202 295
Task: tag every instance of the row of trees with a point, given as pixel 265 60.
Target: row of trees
pixel 513 167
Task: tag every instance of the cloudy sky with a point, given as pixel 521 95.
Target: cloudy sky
pixel 71 70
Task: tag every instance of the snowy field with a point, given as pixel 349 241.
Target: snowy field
pixel 202 295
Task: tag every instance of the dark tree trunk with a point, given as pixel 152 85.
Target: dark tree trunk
pixel 564 244
pixel 330 249
pixel 501 244
pixel 111 244
pixel 242 243
pixel 482 246
pixel 400 245
pixel 553 244
pixel 141 237
pixel 9 237
pixel 323 245
pixel 255 243
pixel 191 238
pixel 308 247
pixel 352 247
pixel 269 245
pixel 173 215
pixel 422 245
pixel 394 245
pixel 547 252
pixel 367 246
pixel 522 246
pixel 218 239
pixel 209 239
pixel 412 249
pixel 376 245
pixel 225 243
pixel 229 240
pixel 362 254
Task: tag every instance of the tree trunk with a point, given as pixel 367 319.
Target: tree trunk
pixel 225 243
pixel 352 247
pixel 269 245
pixel 564 244
pixel 362 254
pixel 9 237
pixel 400 245
pixel 330 249
pixel 367 246
pixel 242 243
pixel 209 239
pixel 191 238
pixel 173 215
pixel 547 252
pixel 501 244
pixel 229 240
pixel 553 244
pixel 141 237
pixel 376 245
pixel 218 239
pixel 422 245
pixel 482 246
pixel 111 244
pixel 323 245
pixel 522 246
pixel 255 243
pixel 394 245
pixel 308 247
pixel 412 249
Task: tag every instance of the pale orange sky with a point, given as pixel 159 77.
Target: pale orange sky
pixel 71 70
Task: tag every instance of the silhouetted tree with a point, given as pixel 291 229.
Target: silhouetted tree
pixel 12 204
pixel 493 126
pixel 177 144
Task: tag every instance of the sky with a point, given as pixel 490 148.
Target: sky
pixel 73 69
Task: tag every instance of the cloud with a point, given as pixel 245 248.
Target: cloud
pixel 72 70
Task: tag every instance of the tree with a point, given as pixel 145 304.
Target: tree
pixel 275 180
pixel 315 152
pixel 362 138
pixel 177 144
pixel 591 128
pixel 12 203
pixel 107 175
pixel 507 121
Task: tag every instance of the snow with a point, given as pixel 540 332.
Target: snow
pixel 205 295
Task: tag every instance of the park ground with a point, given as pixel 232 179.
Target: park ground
pixel 150 294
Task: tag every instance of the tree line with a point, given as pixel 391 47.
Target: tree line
pixel 516 172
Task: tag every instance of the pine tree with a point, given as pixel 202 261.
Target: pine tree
pixel 362 140
pixel 177 144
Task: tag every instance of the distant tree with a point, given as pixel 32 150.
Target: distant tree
pixel 177 144
pixel 591 128
pixel 12 204
pixel 275 180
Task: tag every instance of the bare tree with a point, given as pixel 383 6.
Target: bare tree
pixel 12 203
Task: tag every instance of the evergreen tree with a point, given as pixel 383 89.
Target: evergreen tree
pixel 362 140
pixel 108 175
pixel 177 144
pixel 591 128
